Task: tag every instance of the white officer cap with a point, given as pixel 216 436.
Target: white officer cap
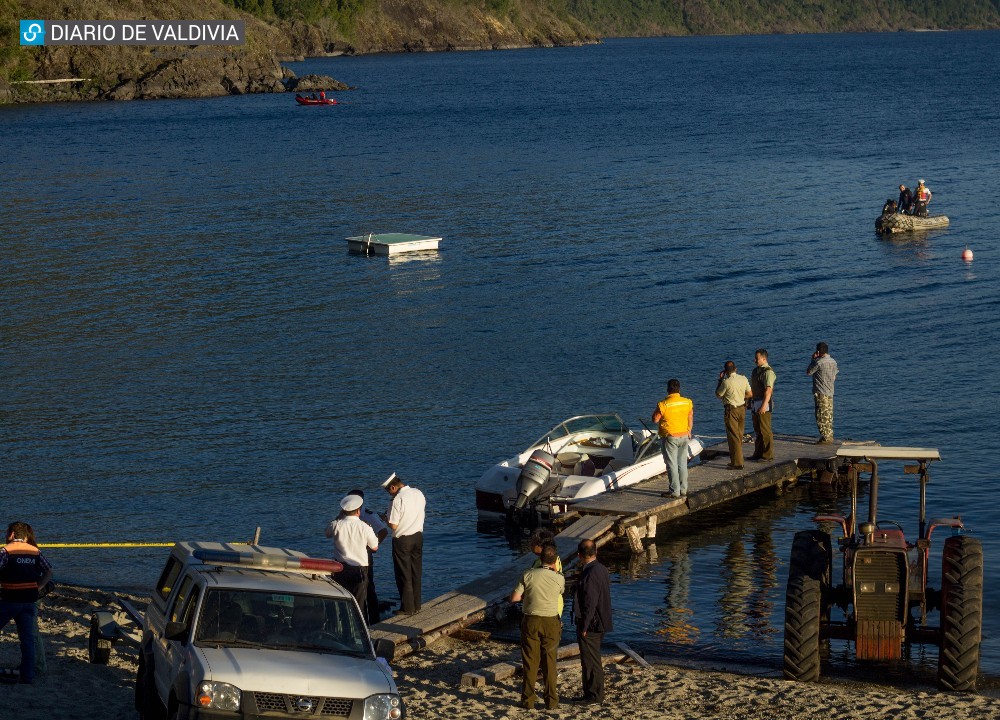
pixel 388 480
pixel 351 503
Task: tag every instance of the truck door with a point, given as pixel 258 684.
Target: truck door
pixel 169 654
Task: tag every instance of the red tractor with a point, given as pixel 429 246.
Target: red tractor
pixel 883 591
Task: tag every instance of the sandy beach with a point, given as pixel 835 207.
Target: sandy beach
pixel 429 682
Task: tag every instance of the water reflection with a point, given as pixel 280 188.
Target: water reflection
pixel 678 618
pixel 737 586
pixel 914 245
pixel 713 584
pixel 765 560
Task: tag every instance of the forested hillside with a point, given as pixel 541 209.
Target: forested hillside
pixel 351 20
pixel 287 29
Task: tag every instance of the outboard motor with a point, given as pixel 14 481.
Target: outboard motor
pixel 534 475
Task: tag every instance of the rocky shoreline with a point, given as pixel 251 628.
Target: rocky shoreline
pixel 69 73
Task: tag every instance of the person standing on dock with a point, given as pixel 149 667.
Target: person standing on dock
pixel 406 520
pixel 734 391
pixel 823 369
pixel 541 589
pixel 378 526
pixel 592 617
pixel 23 571
pixel 762 386
pixel 353 542
pixel 675 415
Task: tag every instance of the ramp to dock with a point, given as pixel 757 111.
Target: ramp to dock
pixel 469 603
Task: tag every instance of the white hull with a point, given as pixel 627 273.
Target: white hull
pixel 588 463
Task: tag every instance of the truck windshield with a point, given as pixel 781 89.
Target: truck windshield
pixel 250 618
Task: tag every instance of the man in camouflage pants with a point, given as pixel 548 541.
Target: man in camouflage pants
pixel 823 369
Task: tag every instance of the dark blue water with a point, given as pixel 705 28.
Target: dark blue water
pixel 188 351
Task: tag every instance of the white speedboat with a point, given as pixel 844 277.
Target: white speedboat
pixel 578 458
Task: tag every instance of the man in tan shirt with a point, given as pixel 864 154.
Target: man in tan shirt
pixel 734 391
pixel 541 589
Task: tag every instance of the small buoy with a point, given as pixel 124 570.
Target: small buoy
pixel 967 255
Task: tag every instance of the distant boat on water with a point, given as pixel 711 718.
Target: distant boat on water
pixel 309 101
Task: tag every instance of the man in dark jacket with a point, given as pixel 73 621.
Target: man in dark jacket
pixel 905 200
pixel 592 616
pixel 23 570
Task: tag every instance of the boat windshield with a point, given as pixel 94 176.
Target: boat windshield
pixel 585 423
pixel 650 447
pixel 278 621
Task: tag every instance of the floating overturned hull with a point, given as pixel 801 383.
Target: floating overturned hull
pixel 897 222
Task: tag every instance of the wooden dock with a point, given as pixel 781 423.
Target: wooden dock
pixel 638 509
pixel 632 513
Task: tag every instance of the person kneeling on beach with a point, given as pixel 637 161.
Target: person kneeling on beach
pixel 541 589
pixel 23 570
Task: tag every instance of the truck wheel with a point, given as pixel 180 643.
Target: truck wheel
pixel 147 702
pixel 803 607
pixel 140 673
pixel 961 613
pixel 98 648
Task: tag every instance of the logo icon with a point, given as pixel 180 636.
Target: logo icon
pixel 32 32
pixel 305 705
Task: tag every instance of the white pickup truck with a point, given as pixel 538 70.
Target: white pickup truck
pixel 240 632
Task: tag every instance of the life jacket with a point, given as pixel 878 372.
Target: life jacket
pixel 19 576
pixel 923 194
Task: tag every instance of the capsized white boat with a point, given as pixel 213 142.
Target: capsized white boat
pixel 578 458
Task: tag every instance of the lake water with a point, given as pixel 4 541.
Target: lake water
pixel 189 351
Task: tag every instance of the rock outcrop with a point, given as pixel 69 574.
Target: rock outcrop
pixel 314 83
pixel 202 74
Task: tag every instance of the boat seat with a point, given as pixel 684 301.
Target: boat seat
pixel 567 463
pixel 585 466
pixel 616 464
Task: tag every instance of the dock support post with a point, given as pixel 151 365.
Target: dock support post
pixel 634 539
pixel 651 527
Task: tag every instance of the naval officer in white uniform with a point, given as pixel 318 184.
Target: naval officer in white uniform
pixel 352 541
pixel 406 520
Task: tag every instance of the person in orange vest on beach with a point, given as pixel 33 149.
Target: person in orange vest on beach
pixel 23 571
pixel 675 415
pixel 921 197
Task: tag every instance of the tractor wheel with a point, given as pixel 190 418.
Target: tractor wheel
pixel 961 613
pixel 803 607
pixel 806 603
pixel 811 556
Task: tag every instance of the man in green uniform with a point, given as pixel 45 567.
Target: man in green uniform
pixel 541 589
pixel 762 386
pixel 734 391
